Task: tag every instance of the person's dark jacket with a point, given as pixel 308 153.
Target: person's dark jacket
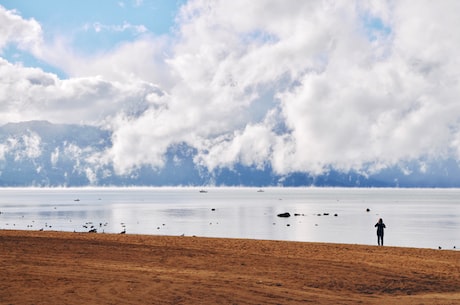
pixel 380 226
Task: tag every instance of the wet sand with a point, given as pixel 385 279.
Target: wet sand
pixel 90 268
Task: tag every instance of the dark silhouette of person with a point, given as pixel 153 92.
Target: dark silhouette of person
pixel 380 226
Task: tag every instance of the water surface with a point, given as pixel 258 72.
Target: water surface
pixel 426 218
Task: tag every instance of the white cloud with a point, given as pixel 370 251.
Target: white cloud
pixel 348 100
pixel 26 34
pixel 300 85
pixel 126 26
pixel 31 94
pixel 138 61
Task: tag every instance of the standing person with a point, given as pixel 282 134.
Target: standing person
pixel 380 226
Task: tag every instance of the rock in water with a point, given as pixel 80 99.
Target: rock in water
pixel 284 215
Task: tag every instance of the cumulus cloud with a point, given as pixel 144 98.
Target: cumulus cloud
pixel 26 34
pixel 297 85
pixel 348 99
pixel 31 94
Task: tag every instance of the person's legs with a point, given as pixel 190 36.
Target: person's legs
pixel 380 240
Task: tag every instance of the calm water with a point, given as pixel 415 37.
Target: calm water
pixel 425 218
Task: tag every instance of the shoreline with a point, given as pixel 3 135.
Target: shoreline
pixel 454 248
pixel 51 267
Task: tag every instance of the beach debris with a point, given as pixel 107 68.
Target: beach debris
pixel 368 210
pixel 440 248
pixel 288 225
pixel 298 214
pixel 284 214
pixel 77 199
pixel 213 209
pixel 93 230
pixel 336 214
pixel 326 214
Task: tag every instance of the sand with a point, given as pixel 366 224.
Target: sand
pixel 90 268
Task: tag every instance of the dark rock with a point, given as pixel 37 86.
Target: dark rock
pixel 284 214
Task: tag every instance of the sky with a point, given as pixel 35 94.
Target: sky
pixel 295 85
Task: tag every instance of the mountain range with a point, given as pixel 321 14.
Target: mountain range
pixel 42 154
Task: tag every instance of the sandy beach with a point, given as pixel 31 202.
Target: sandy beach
pixel 83 268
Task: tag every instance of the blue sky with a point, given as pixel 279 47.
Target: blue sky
pixel 93 26
pixel 156 15
pixel 297 85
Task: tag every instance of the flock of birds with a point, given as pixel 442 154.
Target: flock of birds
pixel 89 226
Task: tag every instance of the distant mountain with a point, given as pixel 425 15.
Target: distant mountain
pixel 39 153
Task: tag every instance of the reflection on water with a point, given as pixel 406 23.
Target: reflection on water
pixel 414 217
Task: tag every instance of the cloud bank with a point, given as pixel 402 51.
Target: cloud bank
pixel 299 86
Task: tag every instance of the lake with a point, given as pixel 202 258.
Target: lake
pixel 423 218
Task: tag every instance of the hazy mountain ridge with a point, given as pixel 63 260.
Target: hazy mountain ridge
pixel 38 153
